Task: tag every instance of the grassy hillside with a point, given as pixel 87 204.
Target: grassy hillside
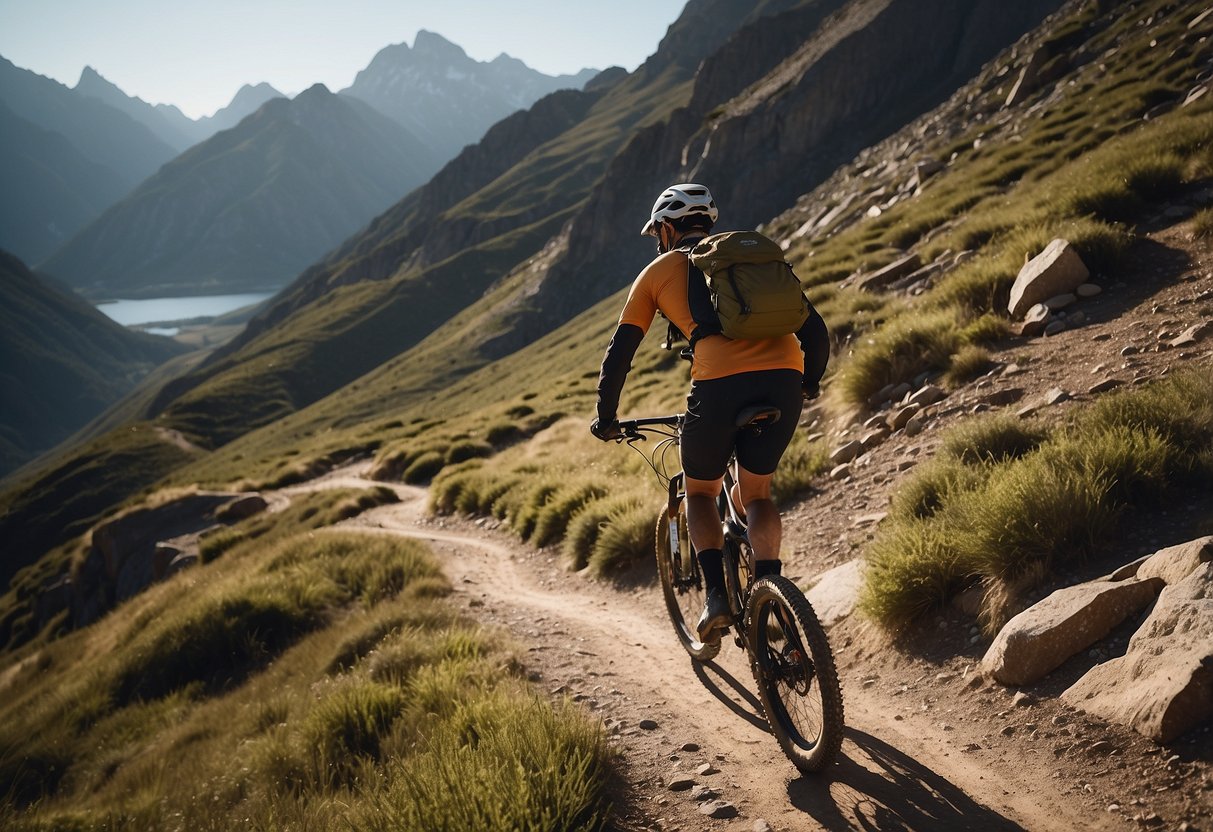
pixel 318 680
pixel 63 362
pixel 1038 172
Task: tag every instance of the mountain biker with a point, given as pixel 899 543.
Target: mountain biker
pixel 727 376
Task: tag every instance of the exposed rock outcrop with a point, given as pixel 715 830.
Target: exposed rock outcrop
pixel 1163 686
pixel 140 546
pixel 1042 637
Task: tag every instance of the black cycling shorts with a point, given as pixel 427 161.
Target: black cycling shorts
pixel 710 434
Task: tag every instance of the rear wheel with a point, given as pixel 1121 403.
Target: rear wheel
pixel 794 669
pixel 682 585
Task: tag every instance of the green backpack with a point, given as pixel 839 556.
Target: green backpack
pixel 740 286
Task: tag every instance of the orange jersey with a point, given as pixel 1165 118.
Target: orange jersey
pixel 663 286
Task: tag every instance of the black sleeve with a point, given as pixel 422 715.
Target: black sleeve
pixel 815 342
pixel 615 366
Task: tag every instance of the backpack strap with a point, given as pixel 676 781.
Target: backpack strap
pixel 700 300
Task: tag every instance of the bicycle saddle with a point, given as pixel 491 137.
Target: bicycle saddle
pixel 758 416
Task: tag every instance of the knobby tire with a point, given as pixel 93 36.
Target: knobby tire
pixel 682 601
pixel 803 710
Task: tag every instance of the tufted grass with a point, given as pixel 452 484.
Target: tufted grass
pixel 313 683
pixel 1005 504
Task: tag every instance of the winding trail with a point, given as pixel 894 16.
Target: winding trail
pixel 613 650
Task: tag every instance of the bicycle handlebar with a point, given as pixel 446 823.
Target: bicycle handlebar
pixel 634 428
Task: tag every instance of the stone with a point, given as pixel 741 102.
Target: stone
pixel 1195 94
pixel 1193 334
pixel 690 746
pixel 1162 687
pixel 761 825
pixel 1041 638
pixel 1035 321
pixel 1056 395
pixel 1059 302
pixel 873 438
pixel 1055 271
pixel 1104 386
pixel 1054 327
pixel 704 793
pixel 1022 700
pixel 718 809
pixel 897 419
pixel 928 395
pixel 835 592
pixel 899 391
pixel 1088 290
pixel 840 472
pixel 1173 564
pixel 847 452
pixel 1028 80
pixel 648 724
pixel 917 422
pixel 883 277
pixel 707 769
pixel 680 783
pixel 1000 398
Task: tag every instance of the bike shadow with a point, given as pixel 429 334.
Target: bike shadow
pixel 888 790
pixel 734 700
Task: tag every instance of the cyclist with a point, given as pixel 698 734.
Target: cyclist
pixel 727 376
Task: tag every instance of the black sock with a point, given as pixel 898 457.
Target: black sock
pixel 762 568
pixel 711 563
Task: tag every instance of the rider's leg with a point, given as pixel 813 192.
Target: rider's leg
pixel 765 526
pixel 703 524
pixel 703 520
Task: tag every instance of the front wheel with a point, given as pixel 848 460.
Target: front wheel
pixel 682 584
pixel 794 669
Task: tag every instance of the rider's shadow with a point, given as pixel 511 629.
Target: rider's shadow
pixel 888 791
pixel 752 715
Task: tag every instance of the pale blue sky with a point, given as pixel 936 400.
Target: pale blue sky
pixel 196 53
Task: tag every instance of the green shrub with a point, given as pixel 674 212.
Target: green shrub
pixel 1202 224
pixel 463 451
pixel 503 433
pixel 625 538
pixel 501 762
pixel 585 526
pixel 1007 503
pixel 348 722
pixel 552 519
pixel 902 349
pixel 993 438
pixel 967 364
pixel 424 468
pixel 214 543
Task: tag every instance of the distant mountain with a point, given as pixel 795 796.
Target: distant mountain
pixel 251 206
pixel 248 100
pixel 447 99
pixel 171 125
pixel 97 130
pixel 61 362
pixel 64 158
pixel 48 188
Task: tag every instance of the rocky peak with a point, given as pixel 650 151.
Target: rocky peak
pixel 433 46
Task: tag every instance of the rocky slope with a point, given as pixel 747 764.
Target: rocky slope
pixel 63 362
pixel 444 97
pixel 245 210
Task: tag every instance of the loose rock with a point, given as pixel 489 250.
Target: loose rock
pixel 681 784
pixel 648 724
pixel 846 452
pixel 1055 271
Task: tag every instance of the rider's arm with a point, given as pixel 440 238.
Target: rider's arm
pixel 615 366
pixel 814 340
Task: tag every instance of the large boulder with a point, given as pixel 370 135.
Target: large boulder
pixel 1175 563
pixel 1042 637
pixel 1055 271
pixel 1163 686
pixel 834 593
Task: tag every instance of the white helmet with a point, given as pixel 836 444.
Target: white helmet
pixel 680 201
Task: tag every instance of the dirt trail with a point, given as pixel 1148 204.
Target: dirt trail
pixel 614 652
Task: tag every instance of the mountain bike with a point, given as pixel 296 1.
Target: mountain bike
pixel 772 620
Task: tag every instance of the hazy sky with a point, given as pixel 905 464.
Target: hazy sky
pixel 197 53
